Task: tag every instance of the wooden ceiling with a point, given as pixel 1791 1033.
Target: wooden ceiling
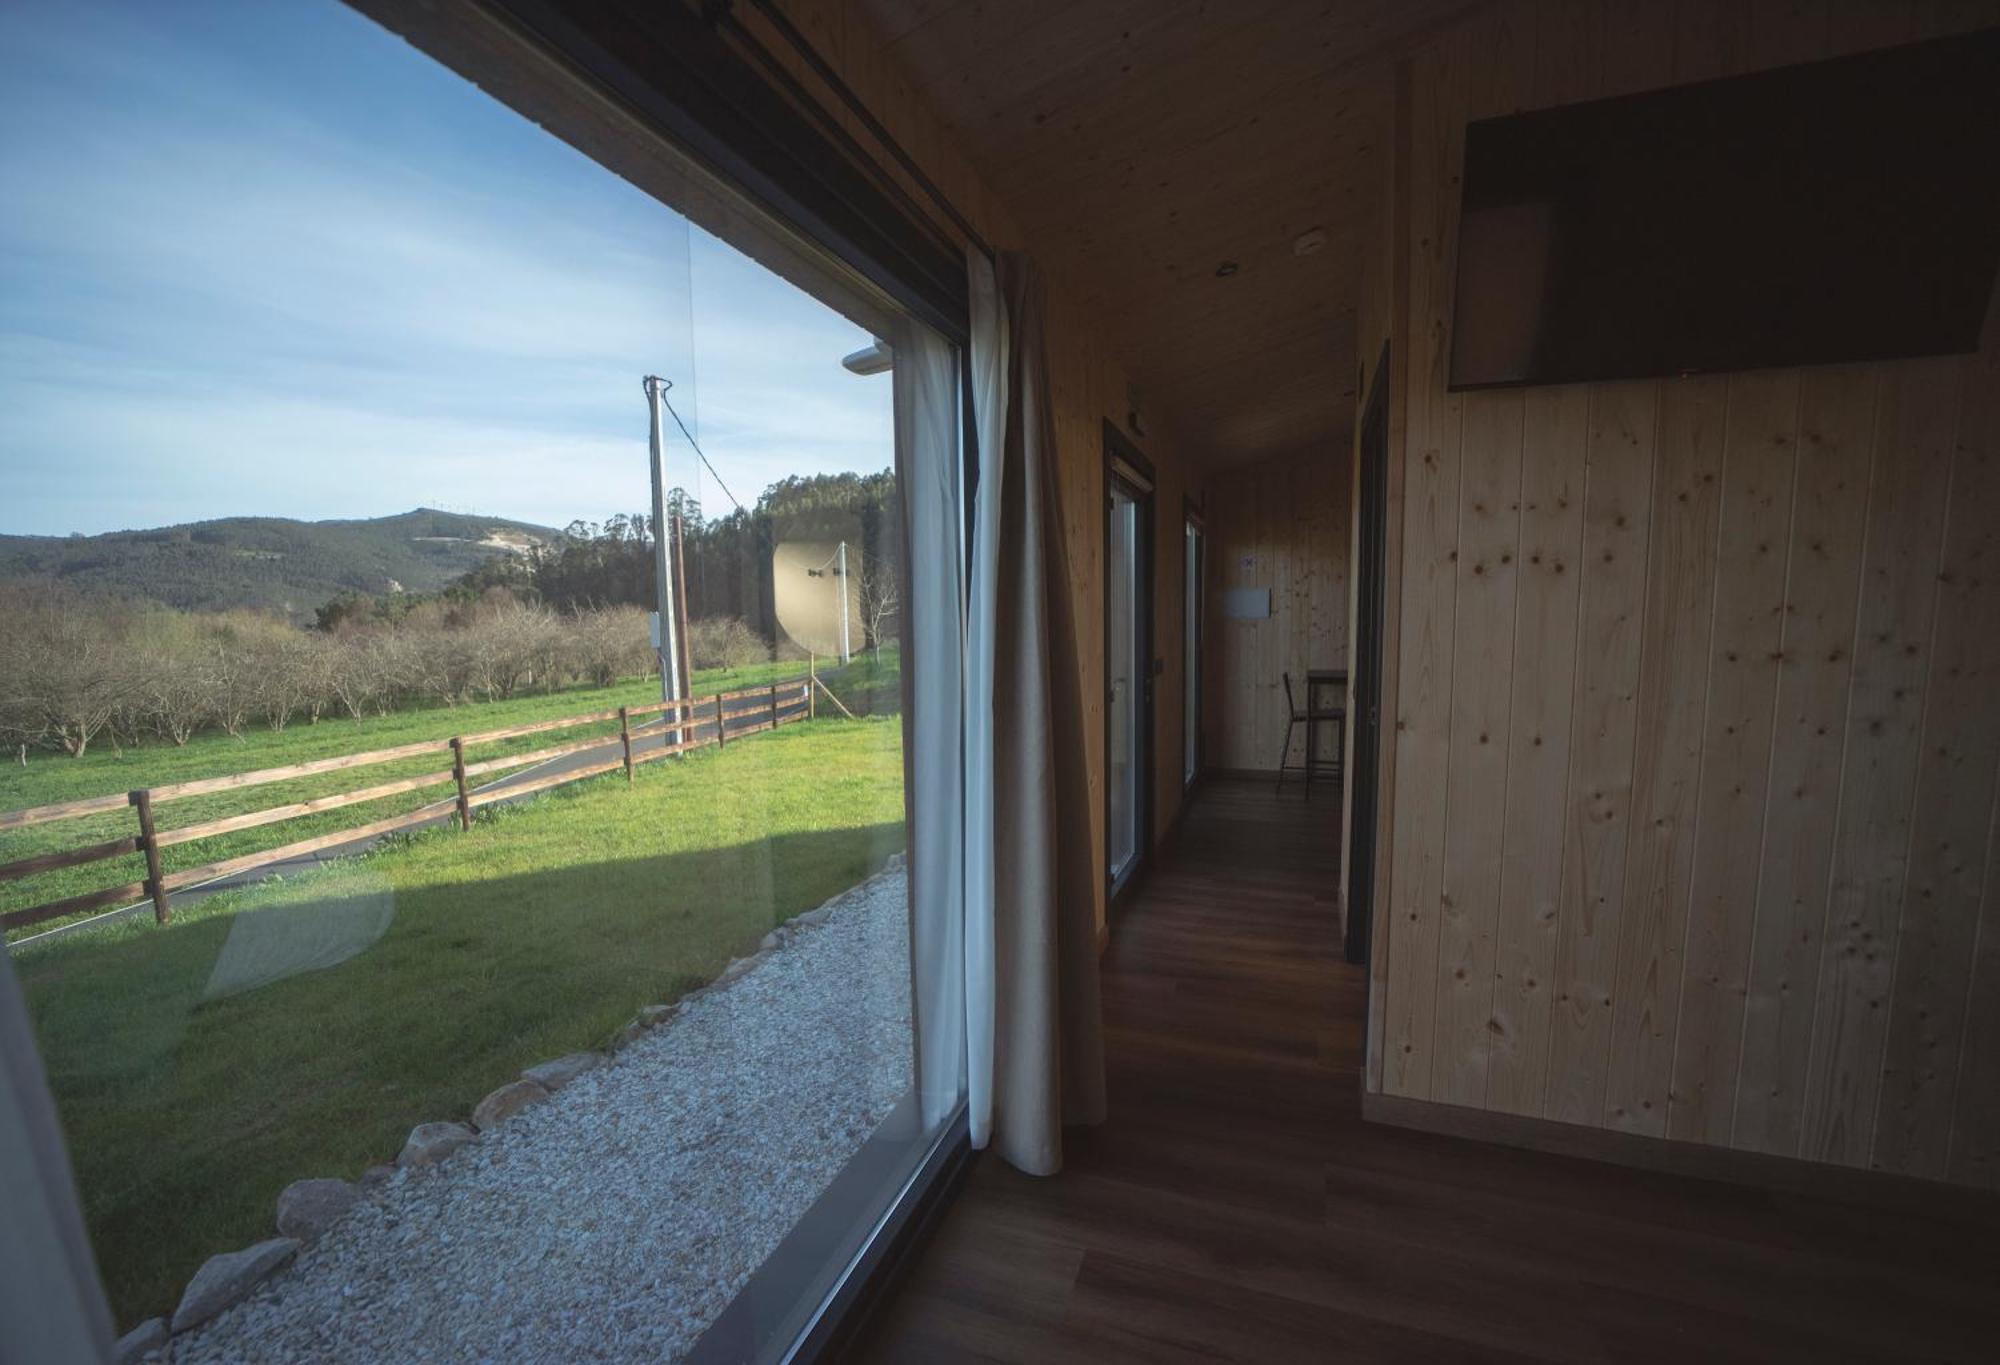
pixel 1142 143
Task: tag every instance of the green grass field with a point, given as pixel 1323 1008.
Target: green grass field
pixel 537 933
pixel 866 687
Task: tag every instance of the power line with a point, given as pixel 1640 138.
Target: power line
pixel 704 456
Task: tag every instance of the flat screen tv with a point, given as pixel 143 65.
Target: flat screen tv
pixel 1839 211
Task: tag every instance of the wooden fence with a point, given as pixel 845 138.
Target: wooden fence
pixel 720 719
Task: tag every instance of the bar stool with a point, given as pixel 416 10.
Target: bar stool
pixel 1295 717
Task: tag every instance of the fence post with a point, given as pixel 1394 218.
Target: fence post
pixel 142 801
pixel 720 723
pixel 774 706
pixel 625 738
pixel 812 687
pixel 458 776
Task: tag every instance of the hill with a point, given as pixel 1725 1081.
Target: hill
pixel 272 563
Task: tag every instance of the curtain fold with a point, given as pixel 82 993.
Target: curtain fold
pixel 51 1302
pixel 987 374
pixel 1035 1058
pixel 930 464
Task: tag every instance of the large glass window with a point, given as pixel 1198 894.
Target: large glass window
pixel 456 836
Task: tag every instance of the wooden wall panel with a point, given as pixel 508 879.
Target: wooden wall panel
pixel 1899 567
pixel 1282 525
pixel 1428 586
pixel 1493 434
pixel 1556 423
pixel 1816 668
pixel 1740 887
pixel 1617 513
pixel 1489 537
pixel 1975 1121
pixel 1667 753
pixel 1760 472
pixel 1948 844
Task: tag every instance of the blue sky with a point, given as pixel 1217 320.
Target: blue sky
pixel 263 258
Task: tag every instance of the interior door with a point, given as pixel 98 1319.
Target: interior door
pixel 1191 645
pixel 1365 705
pixel 1122 683
pixel 1128 662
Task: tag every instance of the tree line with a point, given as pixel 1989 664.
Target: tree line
pixel 77 667
pixel 727 561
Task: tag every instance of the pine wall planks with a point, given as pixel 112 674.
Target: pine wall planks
pixel 1692 806
pixel 1282 525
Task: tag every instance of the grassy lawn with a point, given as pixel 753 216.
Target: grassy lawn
pixel 866 687
pixel 536 934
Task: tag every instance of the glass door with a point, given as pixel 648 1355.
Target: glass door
pixel 1121 667
pixel 1127 670
pixel 1191 619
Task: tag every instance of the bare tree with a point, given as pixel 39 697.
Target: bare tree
pixel 170 678
pixel 356 673
pixel 726 642
pixel 74 667
pixel 284 668
pixel 62 678
pixel 881 599
pixel 609 643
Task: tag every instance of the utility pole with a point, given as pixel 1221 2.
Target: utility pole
pixel 840 572
pixel 663 633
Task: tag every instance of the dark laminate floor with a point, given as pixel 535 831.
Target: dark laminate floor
pixel 1235 1207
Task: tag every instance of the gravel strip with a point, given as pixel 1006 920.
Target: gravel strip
pixel 616 1220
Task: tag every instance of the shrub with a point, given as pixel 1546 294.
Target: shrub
pixel 73 666
pixel 725 642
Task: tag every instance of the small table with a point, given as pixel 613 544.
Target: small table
pixel 1335 680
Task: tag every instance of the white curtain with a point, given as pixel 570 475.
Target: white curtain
pixel 991 343
pixel 1034 1037
pixel 52 1306
pixel 930 461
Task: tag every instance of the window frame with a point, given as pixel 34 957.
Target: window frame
pixel 709 137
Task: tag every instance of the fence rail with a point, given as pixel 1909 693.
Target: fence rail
pixel 697 722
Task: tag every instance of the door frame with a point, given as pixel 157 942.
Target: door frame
pixel 1365 687
pixel 1125 466
pixel 1194 696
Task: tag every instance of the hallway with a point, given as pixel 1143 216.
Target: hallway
pixel 1235 1206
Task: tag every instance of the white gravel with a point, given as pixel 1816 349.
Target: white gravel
pixel 618 1218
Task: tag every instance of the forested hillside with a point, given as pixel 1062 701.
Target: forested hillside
pixel 728 559
pixel 270 563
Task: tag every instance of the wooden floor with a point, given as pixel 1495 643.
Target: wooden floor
pixel 1235 1207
